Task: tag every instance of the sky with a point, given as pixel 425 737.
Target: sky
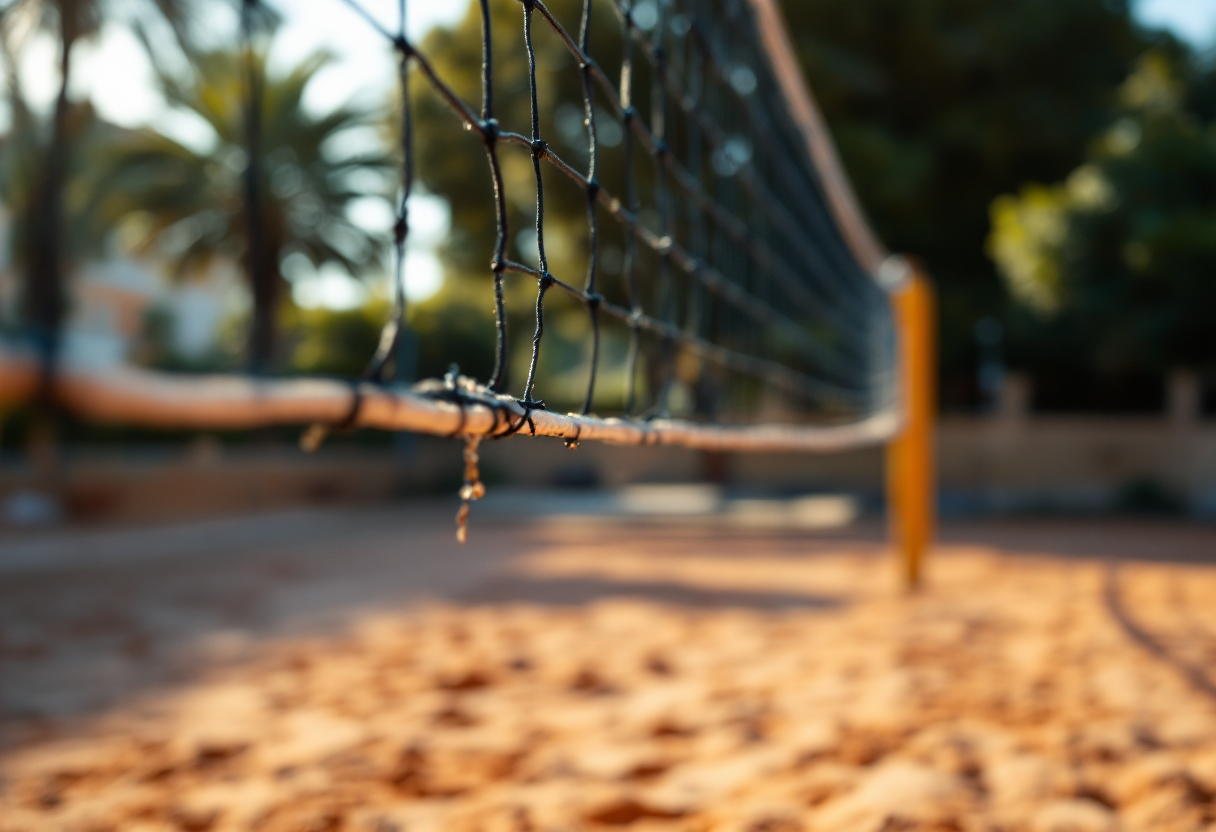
pixel 1191 20
pixel 115 73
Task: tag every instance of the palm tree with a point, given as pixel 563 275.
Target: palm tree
pixel 193 203
pixel 71 21
pixel 23 152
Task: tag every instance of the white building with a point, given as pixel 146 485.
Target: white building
pixel 110 300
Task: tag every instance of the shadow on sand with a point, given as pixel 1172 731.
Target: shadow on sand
pixel 579 591
pixel 1194 675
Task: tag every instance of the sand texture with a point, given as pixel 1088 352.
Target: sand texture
pixel 586 676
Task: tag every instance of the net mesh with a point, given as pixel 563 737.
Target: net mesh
pixel 730 294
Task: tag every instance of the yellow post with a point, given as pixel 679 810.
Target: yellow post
pixel 911 478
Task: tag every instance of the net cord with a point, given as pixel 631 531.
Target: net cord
pixel 149 398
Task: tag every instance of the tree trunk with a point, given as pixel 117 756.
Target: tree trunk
pixel 44 273
pixel 262 271
pixel 263 334
pixel 45 302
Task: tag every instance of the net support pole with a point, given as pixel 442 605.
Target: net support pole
pixel 911 475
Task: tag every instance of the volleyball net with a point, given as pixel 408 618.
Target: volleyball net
pixel 660 187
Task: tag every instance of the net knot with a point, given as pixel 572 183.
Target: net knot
pixel 539 148
pixel 489 130
pixel 529 405
pixel 660 54
pixel 594 300
pixel 404 48
pixel 546 280
pixel 628 114
pixel 498 265
pixel 660 148
pixel 401 228
pixel 593 188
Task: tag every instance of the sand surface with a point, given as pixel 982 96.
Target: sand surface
pixel 357 671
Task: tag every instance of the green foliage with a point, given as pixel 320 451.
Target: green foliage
pixel 1120 258
pixel 938 106
pixel 456 326
pixel 186 204
pixel 451 327
pixel 332 341
pixel 1028 233
pixel 21 155
pixel 451 161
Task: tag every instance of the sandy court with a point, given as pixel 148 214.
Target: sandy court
pixel 347 670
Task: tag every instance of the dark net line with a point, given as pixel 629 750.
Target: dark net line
pixel 593 186
pixel 795 230
pixel 816 210
pixel 686 180
pixel 392 332
pixel 668 251
pixel 839 296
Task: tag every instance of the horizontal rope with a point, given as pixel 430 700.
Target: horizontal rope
pixel 153 399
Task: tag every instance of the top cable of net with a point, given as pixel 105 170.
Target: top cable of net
pixel 749 272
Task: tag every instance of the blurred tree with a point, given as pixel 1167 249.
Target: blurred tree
pixel 187 204
pixel 334 341
pixel 70 22
pixel 24 149
pixel 1117 262
pixel 937 106
pixel 451 327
